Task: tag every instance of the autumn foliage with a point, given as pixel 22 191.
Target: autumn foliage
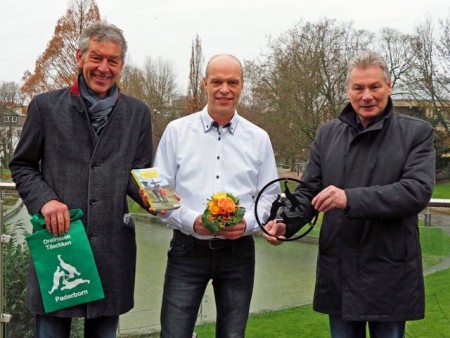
pixel 56 66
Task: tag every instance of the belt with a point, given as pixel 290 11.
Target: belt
pixel 212 243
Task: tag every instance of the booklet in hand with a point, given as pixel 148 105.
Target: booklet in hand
pixel 160 194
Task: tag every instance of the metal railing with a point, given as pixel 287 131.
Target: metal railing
pixel 435 203
pixel 4 239
pixel 4 316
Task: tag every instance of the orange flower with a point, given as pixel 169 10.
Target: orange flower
pixel 222 210
pixel 213 207
pixel 227 205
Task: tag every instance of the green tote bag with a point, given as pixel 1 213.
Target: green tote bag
pixel 65 265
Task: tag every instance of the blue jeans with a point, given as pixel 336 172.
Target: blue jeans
pixel 191 264
pixel 357 329
pixel 56 327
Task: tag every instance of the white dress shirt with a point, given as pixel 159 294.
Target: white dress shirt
pixel 200 160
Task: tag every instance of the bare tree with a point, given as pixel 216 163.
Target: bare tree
pixel 397 51
pixel 56 66
pixel 9 133
pixel 196 96
pixel 161 94
pixel 160 86
pixel 10 94
pixel 301 82
pixel 155 85
pixel 132 81
pixel 427 81
pixel 444 49
pixel 8 140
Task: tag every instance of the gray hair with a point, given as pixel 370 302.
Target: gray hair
pixel 229 55
pixel 366 59
pixel 102 31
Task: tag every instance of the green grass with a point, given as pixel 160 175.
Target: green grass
pixel 442 190
pixel 304 322
pixel 435 245
pixel 434 241
pixel 5 175
pixel 437 308
pixel 295 322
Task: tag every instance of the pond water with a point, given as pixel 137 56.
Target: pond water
pixel 284 274
pixel 284 278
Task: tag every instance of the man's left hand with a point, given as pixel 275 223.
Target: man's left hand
pixel 147 203
pixel 330 198
pixel 234 232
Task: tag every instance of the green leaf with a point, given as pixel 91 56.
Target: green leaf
pixel 240 212
pixel 208 224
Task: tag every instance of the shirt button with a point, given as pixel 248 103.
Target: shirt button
pixel 93 202
pixel 218 157
pixel 219 138
pixel 217 176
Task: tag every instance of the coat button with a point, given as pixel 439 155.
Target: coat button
pixel 93 202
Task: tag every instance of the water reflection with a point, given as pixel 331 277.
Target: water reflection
pixel 18 223
pixel 284 278
pixel 284 275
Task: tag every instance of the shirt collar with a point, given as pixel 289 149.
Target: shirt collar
pixel 207 121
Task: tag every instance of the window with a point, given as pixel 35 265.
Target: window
pixel 9 119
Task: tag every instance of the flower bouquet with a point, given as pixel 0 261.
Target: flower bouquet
pixel 223 210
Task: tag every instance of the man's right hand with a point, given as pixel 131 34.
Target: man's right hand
pixel 199 228
pixel 57 217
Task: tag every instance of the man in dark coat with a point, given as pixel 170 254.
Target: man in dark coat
pixel 77 150
pixel 370 171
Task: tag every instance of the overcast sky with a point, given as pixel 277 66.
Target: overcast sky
pixel 166 28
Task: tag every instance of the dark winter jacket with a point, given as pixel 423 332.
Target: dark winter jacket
pixel 57 158
pixel 369 263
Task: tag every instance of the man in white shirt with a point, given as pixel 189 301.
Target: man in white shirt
pixel 214 150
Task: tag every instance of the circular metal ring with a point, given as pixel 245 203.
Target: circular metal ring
pixel 309 225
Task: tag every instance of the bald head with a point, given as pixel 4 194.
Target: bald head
pixel 224 58
pixel 223 84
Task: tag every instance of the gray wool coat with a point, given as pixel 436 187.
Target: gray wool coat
pixel 369 263
pixel 57 158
